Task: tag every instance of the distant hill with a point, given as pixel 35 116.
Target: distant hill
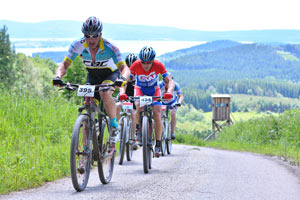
pixel 72 29
pixel 236 61
pixel 207 47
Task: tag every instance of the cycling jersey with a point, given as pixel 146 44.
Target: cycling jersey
pixel 149 78
pixel 176 92
pixel 108 57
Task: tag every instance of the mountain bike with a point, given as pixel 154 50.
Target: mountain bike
pixel 91 137
pixel 126 139
pixel 146 130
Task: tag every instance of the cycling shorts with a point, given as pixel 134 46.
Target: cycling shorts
pixel 110 79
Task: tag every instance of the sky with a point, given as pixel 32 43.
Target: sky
pixel 211 15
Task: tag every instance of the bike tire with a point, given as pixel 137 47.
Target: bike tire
pixel 163 144
pixel 123 138
pixel 106 162
pixel 145 130
pixel 129 148
pixel 79 179
pixel 169 140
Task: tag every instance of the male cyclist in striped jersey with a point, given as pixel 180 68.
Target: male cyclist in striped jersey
pixel 146 71
pixel 173 103
pixel 103 62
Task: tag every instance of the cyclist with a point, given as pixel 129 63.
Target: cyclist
pixel 103 62
pixel 146 71
pixel 173 103
pixel 130 58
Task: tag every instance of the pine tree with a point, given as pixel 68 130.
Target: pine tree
pixel 6 59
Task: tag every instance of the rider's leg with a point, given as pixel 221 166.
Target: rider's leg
pixel 136 124
pixel 118 110
pixel 158 127
pixel 133 124
pixel 110 107
pixel 173 122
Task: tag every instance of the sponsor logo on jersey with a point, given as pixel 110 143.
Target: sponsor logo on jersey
pixel 102 63
pixel 147 78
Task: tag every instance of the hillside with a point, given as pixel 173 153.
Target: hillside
pixel 238 61
pixel 72 29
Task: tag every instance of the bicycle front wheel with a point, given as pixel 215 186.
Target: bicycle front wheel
pixel 146 150
pixel 129 148
pixel 168 140
pixel 107 154
pixel 123 138
pixel 79 157
pixel 163 145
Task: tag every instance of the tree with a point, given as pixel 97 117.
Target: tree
pixel 6 59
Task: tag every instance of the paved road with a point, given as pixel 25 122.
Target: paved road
pixel 188 173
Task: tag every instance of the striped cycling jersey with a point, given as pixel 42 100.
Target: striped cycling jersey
pixel 176 92
pixel 108 57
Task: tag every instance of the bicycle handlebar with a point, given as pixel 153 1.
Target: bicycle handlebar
pixel 73 87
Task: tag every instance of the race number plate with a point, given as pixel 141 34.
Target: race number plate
pixel 127 105
pixel 145 100
pixel 163 108
pixel 86 91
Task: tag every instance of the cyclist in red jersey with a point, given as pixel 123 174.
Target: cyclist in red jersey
pixel 146 71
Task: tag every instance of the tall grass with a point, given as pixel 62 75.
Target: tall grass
pixel 271 135
pixel 34 140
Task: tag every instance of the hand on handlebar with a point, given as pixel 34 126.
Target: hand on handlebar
pixel 120 82
pixel 123 97
pixel 178 104
pixel 57 82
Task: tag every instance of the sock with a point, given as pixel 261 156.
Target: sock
pixel 113 122
pixel 157 144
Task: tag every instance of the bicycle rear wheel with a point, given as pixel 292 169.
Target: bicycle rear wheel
pixel 107 154
pixel 146 154
pixel 80 160
pixel 123 138
pixel 129 148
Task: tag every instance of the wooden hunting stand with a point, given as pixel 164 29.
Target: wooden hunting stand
pixel 221 112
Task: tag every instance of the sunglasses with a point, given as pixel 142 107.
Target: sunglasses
pixel 149 62
pixel 91 36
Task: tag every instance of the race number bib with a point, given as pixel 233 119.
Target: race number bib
pixel 145 100
pixel 86 91
pixel 127 105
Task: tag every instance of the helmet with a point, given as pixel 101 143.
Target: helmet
pixel 92 26
pixel 147 54
pixel 130 58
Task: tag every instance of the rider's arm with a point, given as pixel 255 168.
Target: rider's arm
pixel 170 83
pixel 181 98
pixel 124 70
pixel 62 69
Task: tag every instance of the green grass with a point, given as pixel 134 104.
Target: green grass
pixel 270 135
pixel 35 136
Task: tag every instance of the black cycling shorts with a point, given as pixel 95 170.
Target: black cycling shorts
pixel 110 79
